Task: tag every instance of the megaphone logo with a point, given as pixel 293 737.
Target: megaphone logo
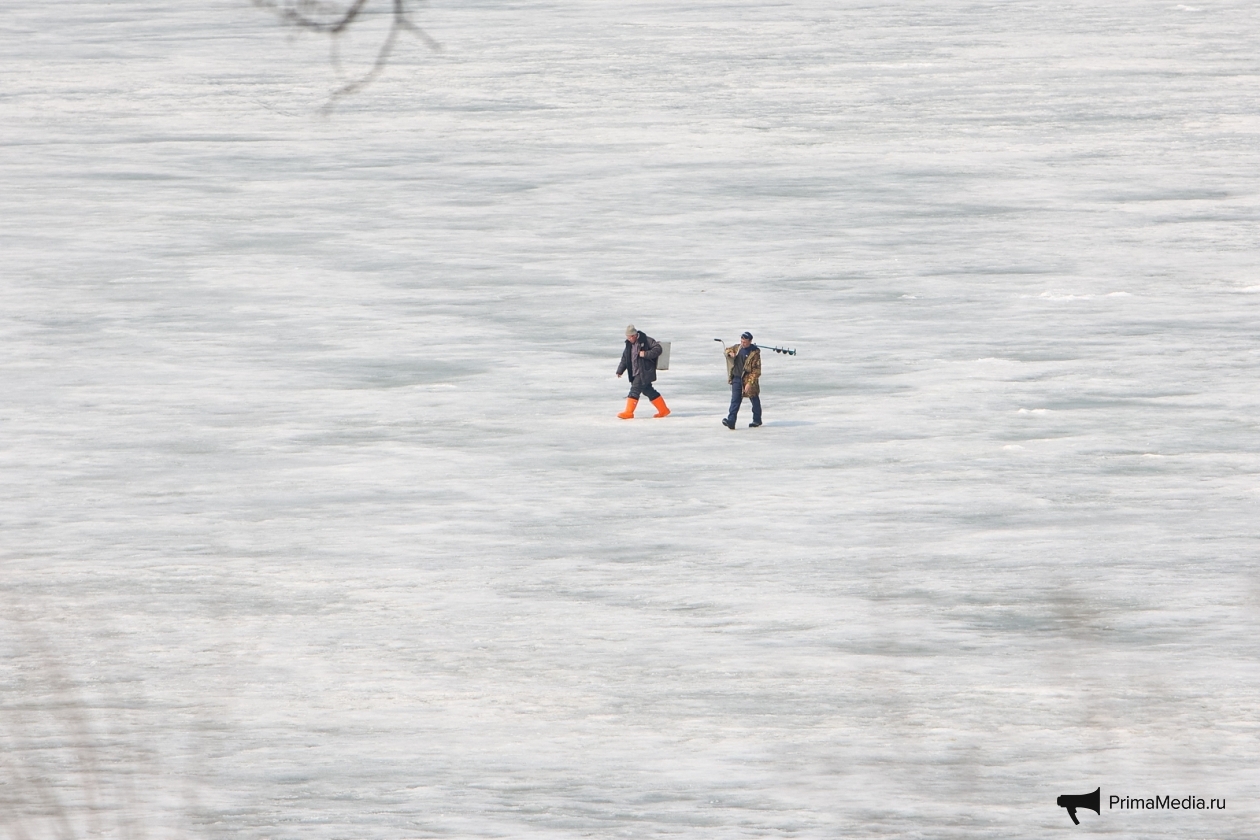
pixel 1080 800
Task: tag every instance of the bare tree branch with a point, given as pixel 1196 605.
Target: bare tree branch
pixel 334 19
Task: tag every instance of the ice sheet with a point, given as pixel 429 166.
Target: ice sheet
pixel 318 522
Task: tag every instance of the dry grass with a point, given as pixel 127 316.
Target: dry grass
pixel 71 760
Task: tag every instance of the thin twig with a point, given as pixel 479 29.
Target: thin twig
pixel 299 16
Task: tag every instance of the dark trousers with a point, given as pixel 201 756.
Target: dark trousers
pixel 737 398
pixel 645 388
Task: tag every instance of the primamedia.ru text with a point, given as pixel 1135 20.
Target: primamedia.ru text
pixel 1156 803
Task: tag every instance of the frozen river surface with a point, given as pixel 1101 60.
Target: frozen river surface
pixel 317 521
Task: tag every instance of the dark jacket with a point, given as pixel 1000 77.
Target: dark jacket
pixel 647 365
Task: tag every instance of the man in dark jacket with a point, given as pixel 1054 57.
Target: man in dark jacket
pixel 639 358
pixel 743 372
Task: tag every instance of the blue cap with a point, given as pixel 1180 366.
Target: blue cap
pixel 747 335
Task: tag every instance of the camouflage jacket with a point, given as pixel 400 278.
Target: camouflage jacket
pixel 752 369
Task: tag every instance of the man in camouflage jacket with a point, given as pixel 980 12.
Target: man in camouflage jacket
pixel 743 372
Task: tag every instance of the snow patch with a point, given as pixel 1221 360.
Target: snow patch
pixel 1069 296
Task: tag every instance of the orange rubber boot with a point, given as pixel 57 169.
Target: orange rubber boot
pixel 628 414
pixel 662 410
